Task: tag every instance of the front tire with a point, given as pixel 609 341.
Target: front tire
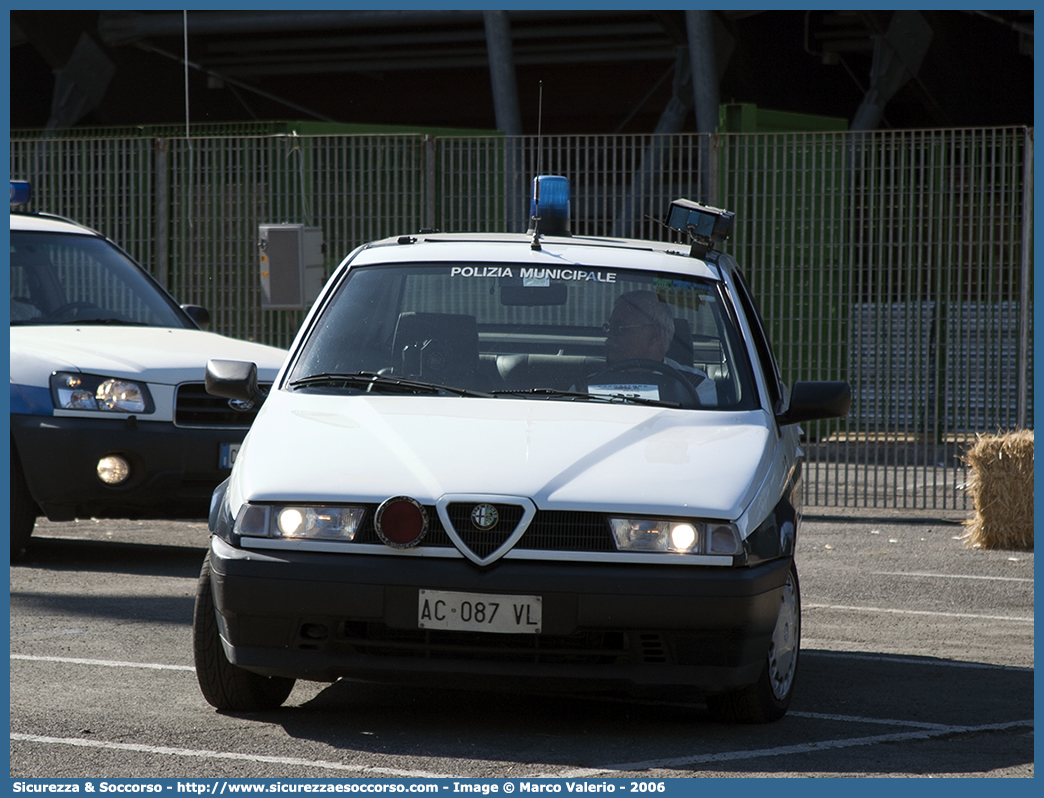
pixel 224 685
pixel 23 509
pixel 768 699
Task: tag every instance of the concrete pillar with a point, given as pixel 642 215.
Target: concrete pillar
pixel 897 58
pixel 502 72
pixel 700 29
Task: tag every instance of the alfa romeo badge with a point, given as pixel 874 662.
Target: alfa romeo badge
pixel 484 516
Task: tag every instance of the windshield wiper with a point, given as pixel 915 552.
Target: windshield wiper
pixel 554 393
pixel 372 382
pixel 45 321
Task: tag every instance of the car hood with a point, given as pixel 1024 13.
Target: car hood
pixel 159 355
pixel 562 455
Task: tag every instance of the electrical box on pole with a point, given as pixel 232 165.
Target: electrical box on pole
pixel 291 258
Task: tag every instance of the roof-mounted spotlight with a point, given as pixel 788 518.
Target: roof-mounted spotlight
pixel 21 193
pixel 705 226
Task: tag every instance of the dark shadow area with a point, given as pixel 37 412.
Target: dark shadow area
pixel 916 689
pixel 93 556
pixel 138 608
pixel 605 69
pixel 933 710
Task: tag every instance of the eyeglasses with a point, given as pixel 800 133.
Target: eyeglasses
pixel 609 328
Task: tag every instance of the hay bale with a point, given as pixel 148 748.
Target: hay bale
pixel 1000 482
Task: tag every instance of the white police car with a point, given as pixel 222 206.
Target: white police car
pixel 109 413
pixel 491 459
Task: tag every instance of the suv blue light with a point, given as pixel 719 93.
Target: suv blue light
pixel 21 192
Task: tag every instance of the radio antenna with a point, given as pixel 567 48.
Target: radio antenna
pixel 540 118
pixel 536 187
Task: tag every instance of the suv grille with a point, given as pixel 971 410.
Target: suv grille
pixel 194 407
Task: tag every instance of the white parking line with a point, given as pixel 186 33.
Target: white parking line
pixel 925 575
pixel 913 724
pixel 363 770
pixel 108 663
pixel 890 610
pixel 626 767
pixel 925 731
pixel 677 763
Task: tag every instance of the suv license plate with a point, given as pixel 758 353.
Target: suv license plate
pixel 479 612
pixel 228 454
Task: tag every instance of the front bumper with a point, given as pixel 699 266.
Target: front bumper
pixel 324 616
pixel 174 470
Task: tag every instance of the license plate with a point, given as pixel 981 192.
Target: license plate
pixel 228 455
pixel 479 612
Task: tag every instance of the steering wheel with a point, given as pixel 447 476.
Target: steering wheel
pixel 656 367
pixel 69 308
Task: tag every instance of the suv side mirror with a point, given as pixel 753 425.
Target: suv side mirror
pixel 814 400
pixel 234 379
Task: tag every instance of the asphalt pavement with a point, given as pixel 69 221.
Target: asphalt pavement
pixel 917 661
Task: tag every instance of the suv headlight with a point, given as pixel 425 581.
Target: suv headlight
pixel 299 521
pixel 677 535
pixel 75 391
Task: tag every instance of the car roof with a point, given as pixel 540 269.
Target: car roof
pixel 46 223
pixel 567 252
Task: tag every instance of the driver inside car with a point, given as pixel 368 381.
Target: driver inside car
pixel 641 327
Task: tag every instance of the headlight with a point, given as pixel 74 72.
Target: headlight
pixel 680 536
pixel 73 391
pixel 300 522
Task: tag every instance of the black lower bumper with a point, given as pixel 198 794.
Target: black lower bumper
pixel 173 470
pixel 325 616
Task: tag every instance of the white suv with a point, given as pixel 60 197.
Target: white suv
pixel 109 415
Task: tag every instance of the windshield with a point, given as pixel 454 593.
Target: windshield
pixel 59 278
pixel 496 330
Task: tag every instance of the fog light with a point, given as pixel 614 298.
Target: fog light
pixel 724 539
pixel 113 470
pixel 401 522
pixel 314 631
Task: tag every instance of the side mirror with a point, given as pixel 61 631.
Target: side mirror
pixel 234 379
pixel 814 400
pixel 198 314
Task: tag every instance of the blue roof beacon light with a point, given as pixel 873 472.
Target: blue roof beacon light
pixel 705 226
pixel 549 207
pixel 21 193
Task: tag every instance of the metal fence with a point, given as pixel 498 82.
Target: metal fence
pixel 900 261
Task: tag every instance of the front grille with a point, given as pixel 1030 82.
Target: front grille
pixel 550 530
pixel 194 407
pixel 484 542
pixel 637 647
pixel 563 530
pixel 583 647
pixel 436 535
